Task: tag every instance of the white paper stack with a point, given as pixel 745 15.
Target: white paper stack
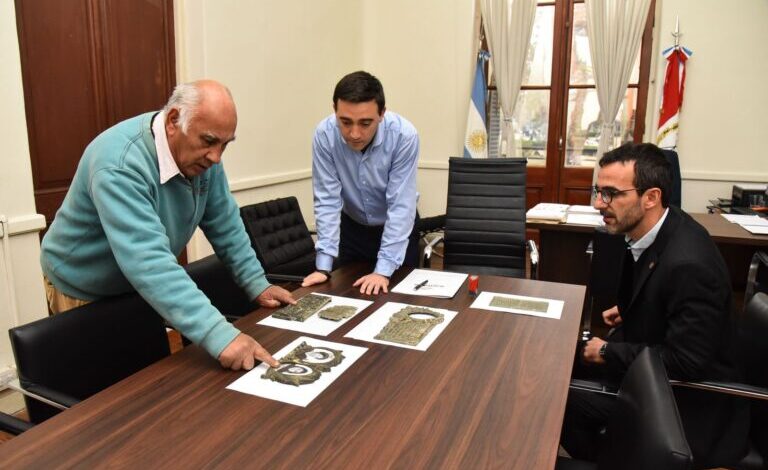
pixel 547 212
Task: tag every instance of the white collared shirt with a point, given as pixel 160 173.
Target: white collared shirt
pixel 168 166
pixel 646 240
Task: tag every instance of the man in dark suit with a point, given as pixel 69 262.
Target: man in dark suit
pixel 674 296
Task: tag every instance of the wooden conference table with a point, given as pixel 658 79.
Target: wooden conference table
pixel 563 255
pixel 489 393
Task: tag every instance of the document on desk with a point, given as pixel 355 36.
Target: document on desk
pixel 578 218
pixel 315 324
pixel 376 322
pixel 757 229
pixel 317 366
pixel 535 306
pixel 438 284
pixel 743 220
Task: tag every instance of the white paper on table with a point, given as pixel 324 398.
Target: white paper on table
pixel 576 209
pixel 742 219
pixel 584 219
pixel 252 383
pixel 757 229
pixel 483 302
pixel 314 324
pixel 376 321
pixel 440 284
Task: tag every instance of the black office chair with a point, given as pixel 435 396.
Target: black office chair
pixel 757 276
pixel 753 347
pixel 281 239
pixel 216 282
pixel 485 217
pixel 606 252
pixel 675 196
pixel 70 356
pixel 645 431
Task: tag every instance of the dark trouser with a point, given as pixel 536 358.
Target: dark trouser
pixel 362 242
pixel 586 413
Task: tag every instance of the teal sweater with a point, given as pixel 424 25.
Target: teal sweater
pixel 120 230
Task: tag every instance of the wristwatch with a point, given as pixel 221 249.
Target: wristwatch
pixel 327 273
pixel 602 350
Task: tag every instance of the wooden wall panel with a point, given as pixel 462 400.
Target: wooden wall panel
pixel 86 65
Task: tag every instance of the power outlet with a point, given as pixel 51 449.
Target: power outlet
pixel 7 374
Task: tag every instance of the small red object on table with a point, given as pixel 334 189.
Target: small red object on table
pixel 474 284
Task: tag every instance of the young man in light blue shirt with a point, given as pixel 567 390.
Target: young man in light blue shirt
pixel 364 163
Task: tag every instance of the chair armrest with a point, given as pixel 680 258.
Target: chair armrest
pixel 534 254
pixel 427 254
pixel 13 425
pixel 594 387
pixel 728 388
pixel 284 278
pixel 44 394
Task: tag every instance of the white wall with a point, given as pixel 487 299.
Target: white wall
pixel 281 61
pixel 723 115
pixel 22 298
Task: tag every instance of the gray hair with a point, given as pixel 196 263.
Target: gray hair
pixel 185 98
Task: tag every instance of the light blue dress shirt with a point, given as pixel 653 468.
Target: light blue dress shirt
pixel 374 188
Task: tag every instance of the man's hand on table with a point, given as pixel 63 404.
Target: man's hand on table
pixel 372 284
pixel 243 352
pixel 275 296
pixel 316 277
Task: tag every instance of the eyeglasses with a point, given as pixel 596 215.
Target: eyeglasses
pixel 607 194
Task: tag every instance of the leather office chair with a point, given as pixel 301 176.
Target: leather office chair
pixel 757 276
pixel 68 357
pixel 645 432
pixel 281 239
pixel 485 217
pixel 216 282
pixel 753 332
pixel 606 252
pixel 675 197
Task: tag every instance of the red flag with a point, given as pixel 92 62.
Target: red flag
pixel 672 101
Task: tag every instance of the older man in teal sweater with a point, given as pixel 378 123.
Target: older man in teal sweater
pixel 140 190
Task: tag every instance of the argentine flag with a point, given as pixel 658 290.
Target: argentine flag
pixel 476 137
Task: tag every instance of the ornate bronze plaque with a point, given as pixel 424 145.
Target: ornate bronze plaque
pixel 304 365
pixel 292 373
pixel 338 312
pixel 410 325
pixel 304 308
pixel 520 304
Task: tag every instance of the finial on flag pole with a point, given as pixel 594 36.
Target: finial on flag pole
pixel 677 33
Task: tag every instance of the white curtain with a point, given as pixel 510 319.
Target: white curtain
pixel 508 26
pixel 615 30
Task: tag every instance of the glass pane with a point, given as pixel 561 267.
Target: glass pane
pixel 538 64
pixel 531 126
pixel 581 60
pixel 583 132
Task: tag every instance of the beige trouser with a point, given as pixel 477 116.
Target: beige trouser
pixel 58 301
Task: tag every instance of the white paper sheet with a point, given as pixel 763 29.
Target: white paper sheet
pixel 252 383
pixel 584 219
pixel 745 219
pixel 757 229
pixel 372 325
pixel 483 302
pixel 439 284
pixel 314 324
pixel 577 209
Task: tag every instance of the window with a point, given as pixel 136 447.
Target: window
pixel 556 116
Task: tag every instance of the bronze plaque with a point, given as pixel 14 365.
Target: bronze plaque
pixel 304 365
pixel 304 308
pixel 337 313
pixel 540 306
pixel 410 325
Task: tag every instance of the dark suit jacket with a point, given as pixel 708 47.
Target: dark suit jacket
pixel 680 304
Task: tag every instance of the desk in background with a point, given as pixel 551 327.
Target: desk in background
pixel 563 247
pixel 490 392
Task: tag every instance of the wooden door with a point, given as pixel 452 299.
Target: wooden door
pixel 86 65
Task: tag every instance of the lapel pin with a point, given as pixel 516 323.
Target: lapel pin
pixel 651 265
